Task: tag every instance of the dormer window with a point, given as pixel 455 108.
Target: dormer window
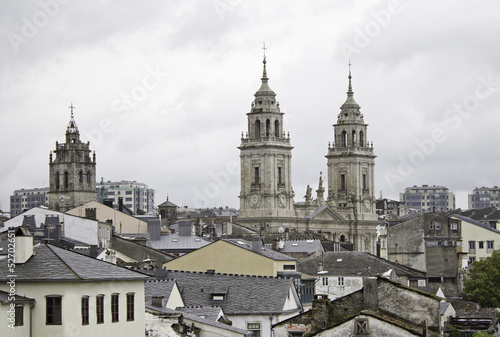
pixel 216 297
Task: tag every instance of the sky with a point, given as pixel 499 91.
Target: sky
pixel 162 88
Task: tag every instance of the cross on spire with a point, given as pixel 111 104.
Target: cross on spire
pixel 71 107
pixel 264 48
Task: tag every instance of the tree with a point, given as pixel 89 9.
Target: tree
pixel 482 283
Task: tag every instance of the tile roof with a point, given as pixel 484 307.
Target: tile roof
pixel 51 263
pixel 267 252
pixel 211 313
pixel 245 294
pixel 353 264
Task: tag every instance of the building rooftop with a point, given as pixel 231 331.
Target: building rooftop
pixel 265 251
pixel 241 294
pixel 51 263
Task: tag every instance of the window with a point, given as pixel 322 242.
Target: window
pixel 57 181
pixel 99 309
pixel 454 226
pixel 480 244
pixel 324 281
pixel 361 139
pixel 472 244
pixel 413 283
pixel 431 226
pixel 254 328
pixel 114 308
pixel 130 307
pixel 53 310
pixel 85 310
pixel 66 179
pixel 361 327
pixel 216 297
pixel 289 267
pixel 342 181
pixel 268 127
pixel 489 244
pixel 365 185
pixel 341 281
pixel 276 128
pixel 81 177
pixel 19 315
pixel 438 226
pixel 344 138
pixel 280 180
pixel 257 128
pixel 256 175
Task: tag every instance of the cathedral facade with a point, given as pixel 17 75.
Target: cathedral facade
pixel 345 214
pixel 72 174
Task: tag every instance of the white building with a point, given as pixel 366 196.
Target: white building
pixel 484 197
pixel 28 198
pixel 428 198
pixel 74 295
pixel 136 196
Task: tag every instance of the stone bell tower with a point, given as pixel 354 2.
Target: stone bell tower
pixel 266 181
pixel 71 172
pixel 351 162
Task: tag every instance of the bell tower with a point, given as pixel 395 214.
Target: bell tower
pixel 265 153
pixel 351 162
pixel 71 172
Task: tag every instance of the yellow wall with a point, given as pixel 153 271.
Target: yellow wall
pixel 129 224
pixel 224 257
pixel 471 232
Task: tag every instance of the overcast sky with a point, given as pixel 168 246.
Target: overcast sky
pixel 162 88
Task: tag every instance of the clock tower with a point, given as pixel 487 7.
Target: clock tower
pixel 266 195
pixel 71 172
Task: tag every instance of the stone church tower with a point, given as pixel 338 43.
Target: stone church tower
pixel 351 177
pixel 71 172
pixel 266 195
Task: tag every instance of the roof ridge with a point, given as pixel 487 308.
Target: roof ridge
pixel 62 260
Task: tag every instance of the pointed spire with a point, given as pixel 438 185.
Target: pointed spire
pixel 349 89
pixel 264 73
pixel 264 89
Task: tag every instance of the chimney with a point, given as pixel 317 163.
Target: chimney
pixel 108 202
pixel 120 204
pixel 320 312
pixel 257 244
pixel 93 251
pixel 275 245
pixel 91 213
pixel 24 245
pixel 52 229
pixel 370 295
pixel 29 222
pixel 185 227
pixel 287 234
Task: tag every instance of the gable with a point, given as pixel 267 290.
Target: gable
pixel 223 257
pixel 326 213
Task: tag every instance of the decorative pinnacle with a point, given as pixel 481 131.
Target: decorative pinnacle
pixel 264 75
pixel 71 107
pixel 349 89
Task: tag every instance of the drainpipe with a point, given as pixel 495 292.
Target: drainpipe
pixel 270 325
pixel 32 305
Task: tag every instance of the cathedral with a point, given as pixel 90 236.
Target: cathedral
pixel 72 171
pixel 346 214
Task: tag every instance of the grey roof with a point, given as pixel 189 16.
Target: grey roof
pixel 176 241
pixel 210 313
pixel 267 252
pixel 359 264
pixel 475 222
pixel 5 297
pixel 163 288
pixel 301 246
pixel 196 318
pixel 244 294
pixel 51 263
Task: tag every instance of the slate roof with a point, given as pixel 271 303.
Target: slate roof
pixel 210 313
pixel 353 264
pixel 4 298
pixel 195 318
pixel 176 241
pixel 475 222
pixel 244 294
pixel 301 246
pixel 163 288
pixel 51 263
pixel 267 252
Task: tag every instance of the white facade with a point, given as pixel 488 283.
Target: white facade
pixel 484 197
pixel 136 196
pixel 428 198
pixel 337 286
pixel 71 294
pixel 28 198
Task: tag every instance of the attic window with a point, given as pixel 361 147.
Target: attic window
pixel 295 244
pixel 175 240
pixel 339 260
pixel 216 297
pixel 309 241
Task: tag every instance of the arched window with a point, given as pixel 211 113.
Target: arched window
pixel 276 128
pixel 361 138
pixel 344 138
pixel 342 238
pixel 353 138
pixel 257 128
pixel 66 179
pixel 268 127
pixel 57 180
pixel 81 177
pixel 89 176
